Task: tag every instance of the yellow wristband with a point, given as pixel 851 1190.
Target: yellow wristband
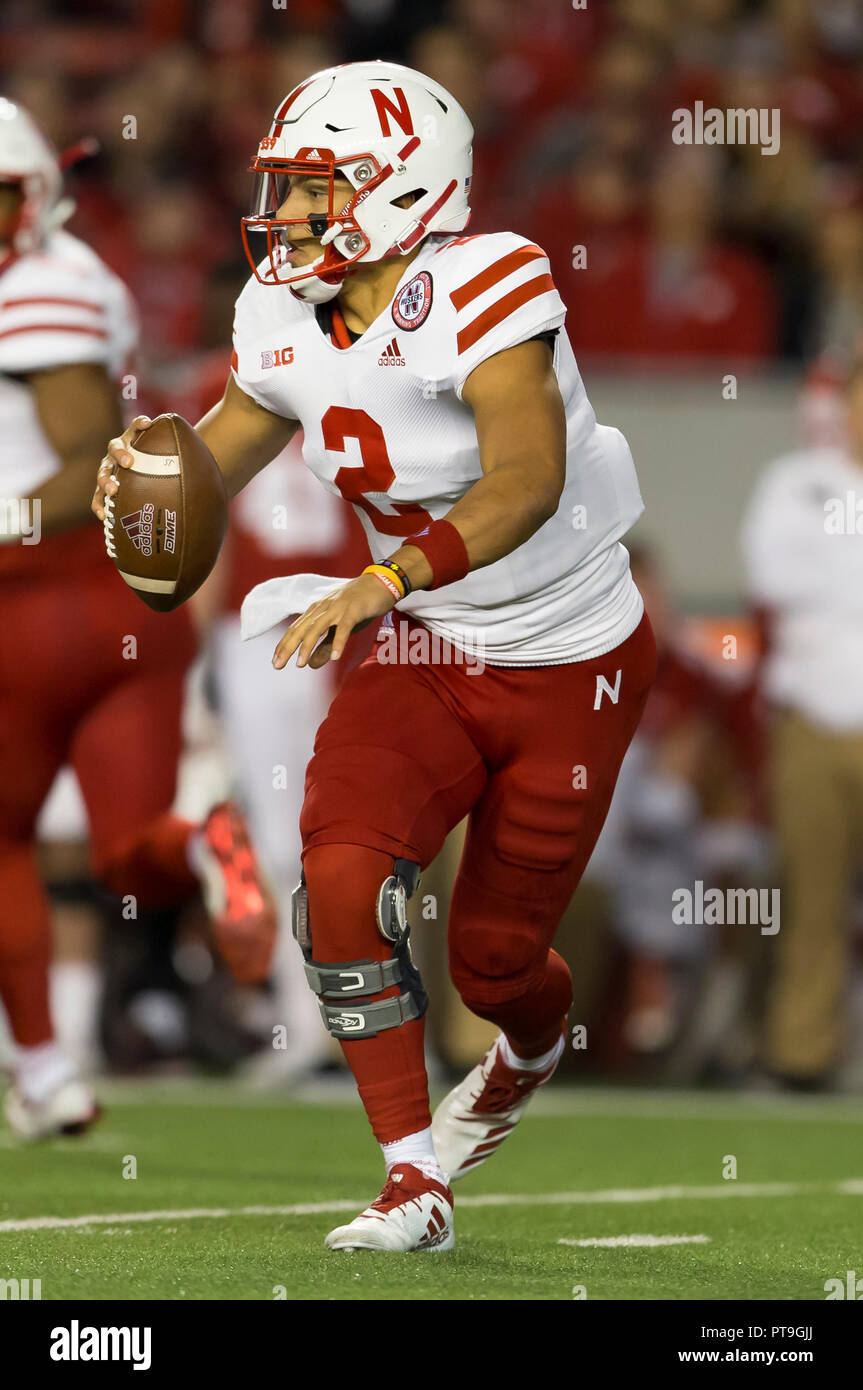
pixel 387 577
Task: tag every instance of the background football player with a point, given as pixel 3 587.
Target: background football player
pixel 72 688
pixel 437 394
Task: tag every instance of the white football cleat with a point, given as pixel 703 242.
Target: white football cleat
pixel 71 1108
pixel 472 1122
pixel 412 1212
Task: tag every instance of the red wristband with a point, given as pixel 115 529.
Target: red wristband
pixel 445 551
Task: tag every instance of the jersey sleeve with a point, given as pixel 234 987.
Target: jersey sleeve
pixel 502 294
pixel 53 316
pixel 247 362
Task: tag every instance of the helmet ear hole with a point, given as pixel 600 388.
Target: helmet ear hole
pixel 407 199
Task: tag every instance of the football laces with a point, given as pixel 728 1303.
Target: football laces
pixel 108 527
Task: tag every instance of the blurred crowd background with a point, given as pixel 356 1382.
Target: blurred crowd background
pixel 698 261
pixel 698 252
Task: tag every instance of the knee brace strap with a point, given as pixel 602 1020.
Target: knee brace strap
pixel 361 979
pixel 369 1017
pixel 355 977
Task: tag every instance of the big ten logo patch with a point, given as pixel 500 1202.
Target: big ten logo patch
pixel 276 357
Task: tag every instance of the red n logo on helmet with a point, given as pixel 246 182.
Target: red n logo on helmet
pixel 386 108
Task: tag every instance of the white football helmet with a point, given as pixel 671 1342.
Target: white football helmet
pixel 28 159
pixel 390 131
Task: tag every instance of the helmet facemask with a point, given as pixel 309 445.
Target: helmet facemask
pixel 33 220
pixel 322 279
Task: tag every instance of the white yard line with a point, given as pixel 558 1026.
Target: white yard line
pixel 615 1242
pixel 851 1187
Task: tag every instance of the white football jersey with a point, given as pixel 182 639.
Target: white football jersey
pixel 803 560
pixel 58 306
pixel 385 425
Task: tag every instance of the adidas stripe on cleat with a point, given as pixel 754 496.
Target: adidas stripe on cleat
pixel 411 1212
pixel 471 1123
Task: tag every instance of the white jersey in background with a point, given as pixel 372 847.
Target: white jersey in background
pixel 803 558
pixel 58 306
pixel 385 425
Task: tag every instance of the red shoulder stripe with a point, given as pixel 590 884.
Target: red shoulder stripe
pixel 53 328
pixel 493 273
pixel 51 299
pixel 542 284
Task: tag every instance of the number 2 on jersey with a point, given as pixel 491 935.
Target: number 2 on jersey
pixel 375 475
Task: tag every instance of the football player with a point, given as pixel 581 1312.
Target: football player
pixel 96 687
pixel 437 393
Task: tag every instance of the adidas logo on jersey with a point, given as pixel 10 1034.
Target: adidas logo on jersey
pixel 391 356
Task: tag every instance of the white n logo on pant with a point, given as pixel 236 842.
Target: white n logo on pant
pixel 602 687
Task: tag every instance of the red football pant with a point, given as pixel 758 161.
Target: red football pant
pixel 531 755
pixel 71 692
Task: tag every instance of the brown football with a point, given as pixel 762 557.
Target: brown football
pixel 165 524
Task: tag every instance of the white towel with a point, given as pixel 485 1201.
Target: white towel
pixel 279 601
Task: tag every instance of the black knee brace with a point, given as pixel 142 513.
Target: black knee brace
pixel 355 983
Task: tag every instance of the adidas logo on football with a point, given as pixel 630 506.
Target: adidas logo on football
pixel 139 528
pixel 391 356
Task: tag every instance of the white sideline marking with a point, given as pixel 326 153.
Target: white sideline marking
pixel 646 1194
pixel 851 1187
pixel 612 1242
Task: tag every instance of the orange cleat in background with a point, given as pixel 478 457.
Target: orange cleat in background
pixel 241 909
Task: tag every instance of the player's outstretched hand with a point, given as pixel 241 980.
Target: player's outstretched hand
pixel 118 456
pixel 333 619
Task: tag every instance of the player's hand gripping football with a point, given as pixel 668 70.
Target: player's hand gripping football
pixel 333 619
pixel 118 456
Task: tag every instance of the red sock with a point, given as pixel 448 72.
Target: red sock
pixel 25 946
pixel 343 883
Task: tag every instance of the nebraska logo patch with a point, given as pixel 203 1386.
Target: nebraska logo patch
pixel 413 302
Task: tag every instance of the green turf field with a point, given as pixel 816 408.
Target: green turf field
pixel 583 1165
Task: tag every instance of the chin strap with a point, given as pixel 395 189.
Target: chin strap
pixel 314 290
